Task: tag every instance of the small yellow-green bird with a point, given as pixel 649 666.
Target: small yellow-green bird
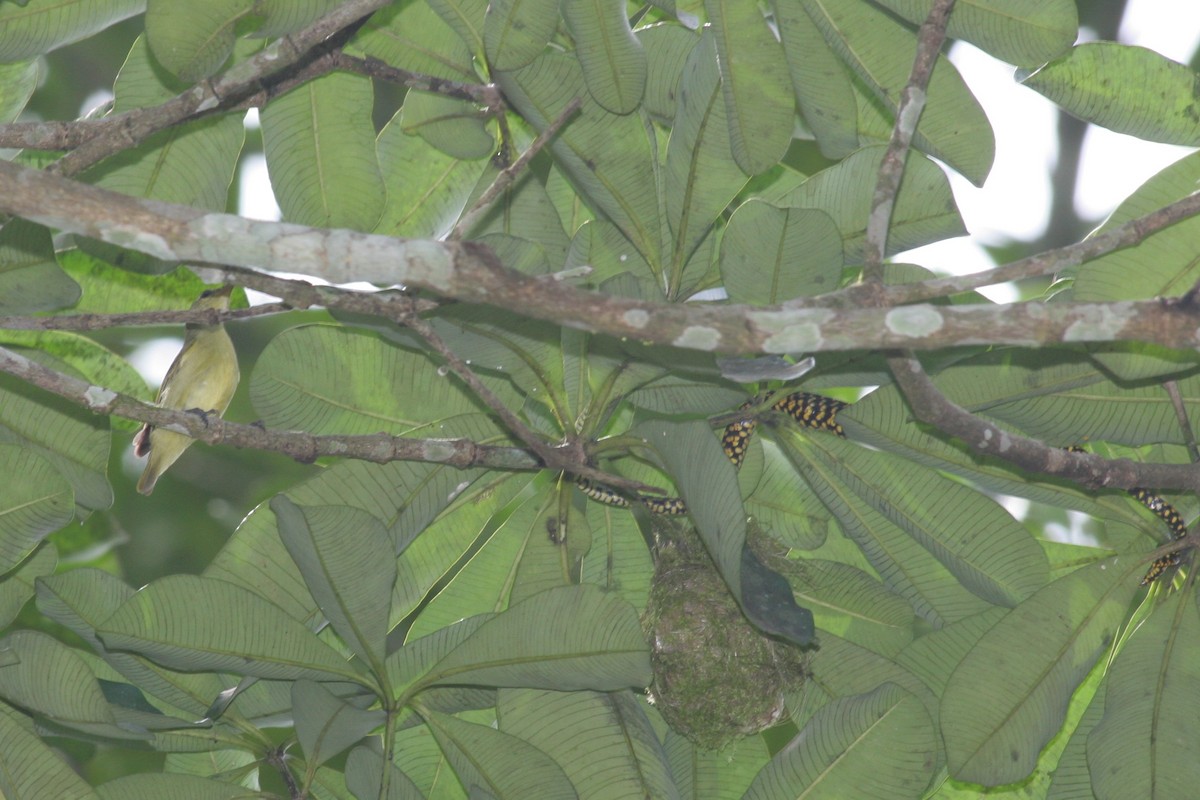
pixel 204 375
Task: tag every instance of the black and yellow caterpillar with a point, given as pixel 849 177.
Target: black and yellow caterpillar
pixel 820 413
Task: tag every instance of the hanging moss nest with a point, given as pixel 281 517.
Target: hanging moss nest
pixel 716 676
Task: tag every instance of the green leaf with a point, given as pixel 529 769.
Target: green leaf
pixel 667 48
pixel 193 40
pixel 466 17
pixel 47 677
pixel 758 95
pixel 715 775
pixel 447 123
pixel 1023 32
pixel 612 58
pixel 567 638
pixel 925 211
pixel 1142 746
pixel 608 157
pixel 618 560
pixel 191 164
pixel 782 503
pixel 934 656
pixel 623 755
pixel 320 149
pixel 17 82
pixel 31 770
pixel 30 278
pixel 692 456
pixel 364 771
pixel 37 501
pixel 849 602
pixel 701 176
pixel 907 567
pixel 74 441
pixel 151 786
pixel 1009 695
pixel 18 585
pixel 484 758
pixel 281 17
pixel 329 379
pixel 327 725
pixel 771 255
pixel 879 51
pixel 823 89
pixel 351 585
pixel 880 744
pixel 1105 83
pixel 1072 780
pixel 413 37
pixel 32 29
pixel 515 32
pixel 977 540
pixel 193 623
pixel 1163 264
pixel 427 190
pixel 82 599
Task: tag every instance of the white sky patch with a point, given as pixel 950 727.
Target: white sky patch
pixel 1014 203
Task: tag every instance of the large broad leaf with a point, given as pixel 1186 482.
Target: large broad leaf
pixel 613 61
pixel 759 103
pixel 351 585
pixel 451 125
pixel 327 379
pixel 364 777
pixel 1010 693
pixel 486 760
pixel 39 26
pixel 168 785
pixel 1023 32
pixel 325 724
pixel 770 255
pixel 37 501
pixel 191 164
pixel 30 769
pixel 193 40
pixel 925 211
pixel 1144 745
pixel 568 638
pixel 30 278
pixel 603 741
pixel 74 442
pixel 607 156
pixel 320 149
pixel 80 600
pixel 879 51
pixel 412 36
pixel 45 676
pixel 427 190
pixel 881 744
pixel 978 541
pixel 701 176
pixel 1105 83
pixel 18 585
pixel 667 49
pixel 193 623
pixel 822 86
pixel 907 567
pixel 515 32
pixel 17 82
pixel 714 775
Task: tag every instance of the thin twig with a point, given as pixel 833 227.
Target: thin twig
pixel 908 113
pixel 225 91
pixel 1181 414
pixel 98 322
pixel 379 448
pixel 510 173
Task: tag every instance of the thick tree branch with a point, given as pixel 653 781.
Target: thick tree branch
pixel 470 272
